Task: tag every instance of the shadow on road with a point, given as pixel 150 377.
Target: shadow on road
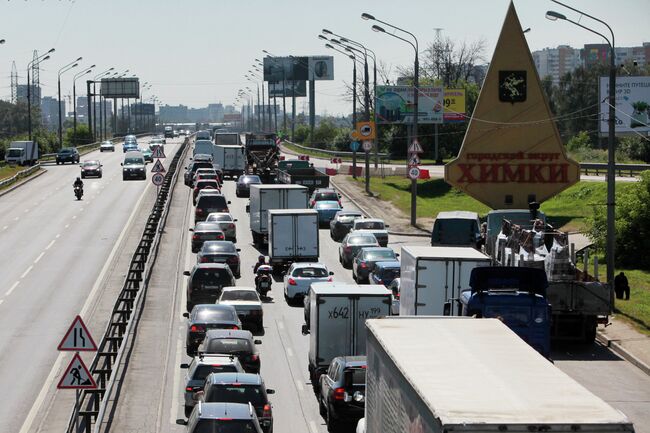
pixel 572 352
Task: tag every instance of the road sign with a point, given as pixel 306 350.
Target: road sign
pixel 77 376
pixel 415 147
pixel 414 173
pixel 367 145
pixel 336 160
pixel 157 179
pixel 158 167
pixel 354 146
pixel 414 159
pixel 366 130
pixel 77 338
pixel 158 152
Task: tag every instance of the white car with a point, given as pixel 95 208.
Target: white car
pixel 375 226
pixel 300 276
pixel 226 222
pixel 248 305
pixel 107 146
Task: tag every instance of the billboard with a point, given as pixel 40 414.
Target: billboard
pixel 395 104
pixel 143 109
pixel 276 89
pixel 454 105
pixel 120 88
pixel 321 67
pixel 286 68
pixel 232 117
pixel 632 105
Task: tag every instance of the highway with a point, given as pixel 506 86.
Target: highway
pixel 55 264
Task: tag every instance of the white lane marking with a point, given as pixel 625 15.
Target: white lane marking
pixel 1 301
pixel 16 219
pixel 67 225
pixel 11 289
pixel 40 256
pixel 299 386
pixel 50 244
pixel 177 380
pixel 280 325
pixel 5 227
pixel 313 426
pixel 289 351
pixel 81 209
pixel 26 210
pixel 27 271
pixel 58 236
pixel 74 217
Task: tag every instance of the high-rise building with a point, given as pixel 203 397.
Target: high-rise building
pixel 50 111
pixel 555 62
pixel 21 92
pixel 171 114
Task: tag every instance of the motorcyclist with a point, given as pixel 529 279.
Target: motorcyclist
pixel 78 183
pixel 261 260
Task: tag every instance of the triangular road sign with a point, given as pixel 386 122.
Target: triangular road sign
pixel 158 167
pixel 414 159
pixel 77 339
pixel 158 152
pixel 415 147
pixel 77 376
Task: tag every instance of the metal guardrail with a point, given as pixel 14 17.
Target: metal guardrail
pixel 95 144
pixel 336 153
pixel 594 168
pixel 16 177
pixel 94 403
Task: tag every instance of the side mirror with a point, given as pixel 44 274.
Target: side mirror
pixel 235 220
pixel 257 341
pixel 228 201
pixel 121 163
pixel 181 421
pixel 186 273
pixel 186 315
pixel 270 391
pixel 396 254
pixel 331 273
pixel 305 330
pixel 185 365
pixel 238 249
pixel 386 225
pixel 191 229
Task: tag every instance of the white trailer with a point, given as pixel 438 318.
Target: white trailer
pixel 231 159
pixel 264 198
pixel 337 313
pixel 293 236
pixel 455 374
pixel 432 278
pixel 22 153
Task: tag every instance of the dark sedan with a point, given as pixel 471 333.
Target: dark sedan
pixel 91 168
pixel 365 260
pixel 204 231
pixel 220 252
pixel 208 316
pixel 352 243
pixel 237 343
pixel 342 223
pixel 243 187
pixel 67 154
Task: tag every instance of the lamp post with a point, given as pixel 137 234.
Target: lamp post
pixel 92 115
pixel 257 112
pixel 66 68
pixel 262 85
pixel 29 94
pixel 74 98
pixel 416 91
pixel 2 41
pixel 611 137
pixel 284 93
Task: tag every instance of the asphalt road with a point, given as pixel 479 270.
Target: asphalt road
pixel 54 250
pixel 151 396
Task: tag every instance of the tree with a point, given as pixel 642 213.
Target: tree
pixel 83 136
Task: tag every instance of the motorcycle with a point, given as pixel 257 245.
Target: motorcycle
pixel 78 192
pixel 263 279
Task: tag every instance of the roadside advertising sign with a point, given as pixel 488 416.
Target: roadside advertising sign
pixel 454 103
pixel 632 105
pixel 395 104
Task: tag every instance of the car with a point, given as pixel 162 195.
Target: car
pixel 207 191
pixel 222 417
pixel 155 142
pixel 326 210
pixel 206 176
pixel 342 391
pixel 384 272
pixel 198 370
pixel 341 224
pixel 130 147
pixel 208 316
pixel 188 176
pixel 456 228
pixel 214 170
pixel 206 281
pixel 352 243
pixel 375 226
pixel 182 132
pixel 248 305
pixel 204 184
pixel 240 388
pixel 176 134
pixel 233 342
pixel 227 223
pixel 364 261
pixel 221 252
pixel 169 132
pixel 67 154
pixel 203 157
pixel 107 146
pixel 134 166
pixel 91 168
pixel 131 138
pixel 244 182
pixel 202 135
pixel 148 154
pixel 324 194
pixel 394 287
pixel 210 204
pixel 204 231
pixel 301 275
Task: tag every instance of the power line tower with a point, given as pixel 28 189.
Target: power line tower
pixel 14 83
pixel 36 85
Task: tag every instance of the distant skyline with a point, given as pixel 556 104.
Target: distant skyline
pixel 196 52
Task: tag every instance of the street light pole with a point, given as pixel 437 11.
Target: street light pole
pixel 74 99
pixel 29 95
pixel 61 71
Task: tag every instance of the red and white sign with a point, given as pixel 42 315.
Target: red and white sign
pixel 414 173
pixel 303 157
pixel 157 179
pixel 77 376
pixel 158 152
pixel 415 147
pixel 77 338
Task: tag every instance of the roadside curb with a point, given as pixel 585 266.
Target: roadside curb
pixel 23 181
pixel 617 348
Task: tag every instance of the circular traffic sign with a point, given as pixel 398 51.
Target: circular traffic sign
pixel 354 146
pixel 414 173
pixel 157 179
pixel 366 130
pixel 367 145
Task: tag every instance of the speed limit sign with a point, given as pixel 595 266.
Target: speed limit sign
pixel 414 173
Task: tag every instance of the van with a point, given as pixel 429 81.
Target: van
pixel 203 135
pixel 134 166
pixel 456 228
pixel 204 147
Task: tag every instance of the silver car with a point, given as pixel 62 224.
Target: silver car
pixel 226 222
pixel 300 276
pixel 375 226
pixel 248 305
pixel 107 146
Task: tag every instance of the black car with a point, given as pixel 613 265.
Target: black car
pixel 342 391
pixel 208 316
pixel 210 204
pixel 205 232
pixel 205 283
pixel 238 343
pixel 188 177
pixel 67 154
pixel 243 187
pixel 341 224
pixel 220 252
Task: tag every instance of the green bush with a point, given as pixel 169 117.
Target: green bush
pixel 635 147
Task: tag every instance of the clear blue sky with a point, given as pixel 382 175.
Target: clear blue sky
pixel 196 51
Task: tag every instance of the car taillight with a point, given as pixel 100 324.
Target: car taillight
pixel 195 237
pixel 231 226
pixel 256 312
pixel 339 394
pixel 189 389
pixel 312 202
pixel 266 412
pixel 330 279
pixel 220 236
pixel 363 265
pixel 396 295
pixel 254 357
pixel 215 365
pixel 204 260
pixel 292 282
pixel 233 260
pixel 347 249
pixel 197 328
pixel 199 211
pixel 235 327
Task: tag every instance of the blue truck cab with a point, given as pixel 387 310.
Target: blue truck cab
pixel 516 296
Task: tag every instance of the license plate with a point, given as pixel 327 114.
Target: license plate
pixel 211 287
pixel 264 285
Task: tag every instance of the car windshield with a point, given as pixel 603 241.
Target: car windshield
pixel 130 161
pixel 251 179
pixel 369 225
pixel 212 277
pixel 202 371
pixel 360 240
pixel 225 426
pixel 219 247
pixel 213 202
pixel 326 196
pixel 15 152
pixel 381 254
pixel 90 163
pixel 202 164
pixel 229 345
pixel 239 295
pixel 236 393
pixel 327 205
pixel 310 273
pixel 455 231
pixel 66 150
pixel 348 218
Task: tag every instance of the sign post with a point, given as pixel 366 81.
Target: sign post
pixel 158 169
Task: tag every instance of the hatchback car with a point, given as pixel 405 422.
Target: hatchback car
pixel 384 272
pixel 341 224
pixel 199 369
pixel 210 204
pixel 129 146
pixel 208 316
pixel 204 184
pixel 365 260
pixel 248 305
pixel 237 343
pixel 67 154
pixel 352 243
pixel 107 146
pixel 222 418
pixel 220 252
pixel 342 392
pixel 375 226
pixel 91 168
pixel 188 176
pixel 134 166
pixel 300 276
pixel 204 231
pixel 226 222
pixel 215 170
pixel 326 210
pixel 324 194
pixel 243 187
pixel 240 388
pixel 148 154
pixel 206 281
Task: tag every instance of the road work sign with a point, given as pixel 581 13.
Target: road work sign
pixel 77 339
pixel 158 167
pixel 77 376
pixel 158 152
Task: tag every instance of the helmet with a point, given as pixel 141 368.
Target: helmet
pixel 261 258
pixel 78 178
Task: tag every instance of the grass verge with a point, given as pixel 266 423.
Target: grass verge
pixel 7 171
pixel 637 309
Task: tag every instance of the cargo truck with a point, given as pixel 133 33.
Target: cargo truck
pixel 227 139
pixel 262 156
pixel 454 374
pixel 264 198
pixel 432 278
pixel 230 158
pixel 293 237
pixel 22 153
pixel 300 172
pixel 337 313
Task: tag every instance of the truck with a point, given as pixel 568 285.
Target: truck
pixel 264 198
pixel 521 217
pixel 22 153
pixel 481 378
pixel 169 132
pixel 293 237
pixel 432 278
pixel 301 172
pixel 262 156
pixel 337 312
pixel 226 138
pixel 230 158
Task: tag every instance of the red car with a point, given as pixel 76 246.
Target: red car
pixel 204 184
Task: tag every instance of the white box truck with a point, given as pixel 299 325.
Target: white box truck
pixel 432 278
pixel 264 198
pixel 454 374
pixel 231 159
pixel 337 313
pixel 293 237
pixel 22 153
